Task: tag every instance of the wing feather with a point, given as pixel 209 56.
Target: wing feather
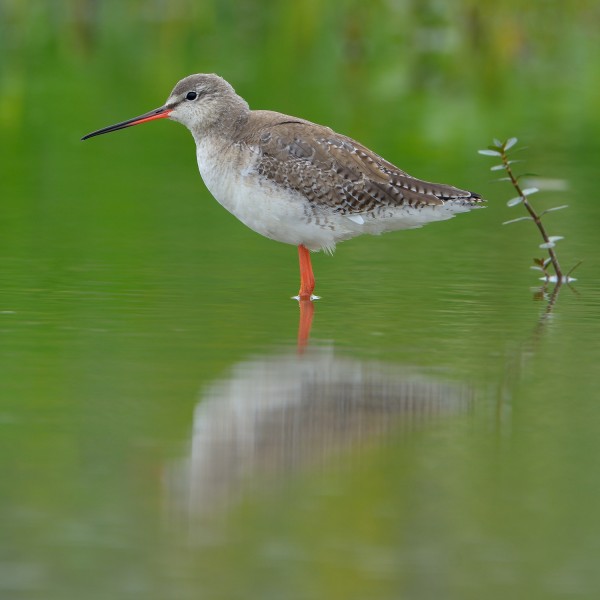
pixel 333 171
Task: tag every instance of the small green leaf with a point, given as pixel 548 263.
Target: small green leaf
pixel 571 270
pixel 530 191
pixel 554 208
pixel 520 148
pixel 510 142
pixel 516 220
pixel 497 168
pixel 514 201
pixel 537 268
pixel 497 143
pixel 552 241
pixel 489 152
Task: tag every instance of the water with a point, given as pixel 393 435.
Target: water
pixel 163 434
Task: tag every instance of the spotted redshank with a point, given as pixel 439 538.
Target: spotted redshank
pixel 295 181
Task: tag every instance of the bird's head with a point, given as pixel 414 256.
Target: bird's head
pixel 200 102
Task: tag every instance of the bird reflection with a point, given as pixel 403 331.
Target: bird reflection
pixel 274 416
pixel 307 312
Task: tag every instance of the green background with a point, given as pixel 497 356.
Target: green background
pixel 160 436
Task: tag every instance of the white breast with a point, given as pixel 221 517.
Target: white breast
pixel 279 214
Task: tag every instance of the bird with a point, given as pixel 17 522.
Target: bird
pixel 294 181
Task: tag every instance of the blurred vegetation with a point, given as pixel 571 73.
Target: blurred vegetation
pixel 413 78
pixel 440 70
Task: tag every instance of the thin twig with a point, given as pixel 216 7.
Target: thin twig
pixel 534 216
pixel 500 149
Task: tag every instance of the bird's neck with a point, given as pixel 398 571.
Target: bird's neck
pixel 226 123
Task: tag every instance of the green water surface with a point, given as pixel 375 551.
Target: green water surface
pixel 161 437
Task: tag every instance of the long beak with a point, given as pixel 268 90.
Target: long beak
pixel 159 113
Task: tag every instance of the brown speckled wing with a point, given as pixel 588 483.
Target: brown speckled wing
pixel 335 172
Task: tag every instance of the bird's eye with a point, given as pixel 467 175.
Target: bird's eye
pixel 191 96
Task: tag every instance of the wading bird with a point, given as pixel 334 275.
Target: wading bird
pixel 295 181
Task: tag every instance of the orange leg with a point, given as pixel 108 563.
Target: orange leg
pixel 307 279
